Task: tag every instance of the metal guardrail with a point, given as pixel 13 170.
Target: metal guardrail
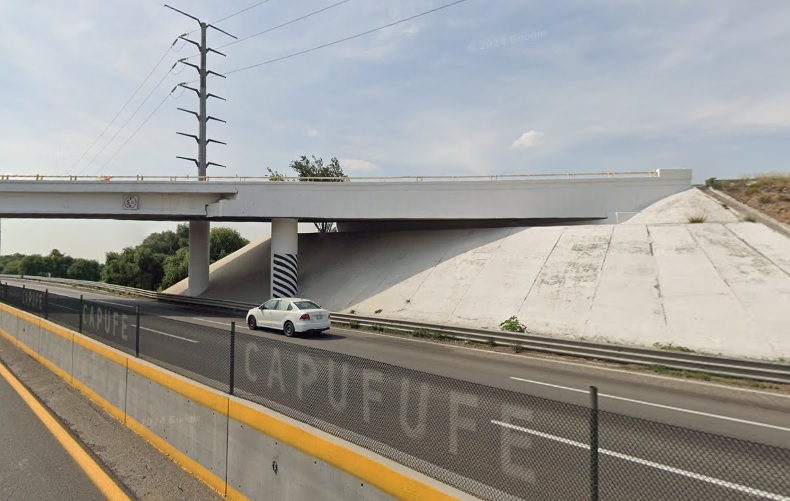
pixel 478 177
pixel 684 361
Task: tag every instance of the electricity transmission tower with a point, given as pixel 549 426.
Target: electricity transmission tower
pixel 199 230
pixel 203 95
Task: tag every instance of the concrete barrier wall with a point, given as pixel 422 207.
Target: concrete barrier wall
pixel 243 450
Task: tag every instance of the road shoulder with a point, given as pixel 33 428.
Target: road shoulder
pixel 145 472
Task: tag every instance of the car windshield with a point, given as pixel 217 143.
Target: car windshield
pixel 306 305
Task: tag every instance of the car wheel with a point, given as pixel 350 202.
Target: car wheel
pixel 288 329
pixel 251 323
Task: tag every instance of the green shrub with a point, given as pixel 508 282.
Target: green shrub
pixel 354 324
pixel 512 324
pixel 517 348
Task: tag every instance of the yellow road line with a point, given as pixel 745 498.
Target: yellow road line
pixel 98 476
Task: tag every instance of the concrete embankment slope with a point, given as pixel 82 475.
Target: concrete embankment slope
pixel 719 286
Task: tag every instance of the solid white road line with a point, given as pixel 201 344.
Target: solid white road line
pixel 226 324
pixel 592 366
pixel 660 406
pixel 652 464
pixel 110 302
pixel 64 307
pixel 169 335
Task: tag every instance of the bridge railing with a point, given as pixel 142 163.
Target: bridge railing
pixel 417 178
pixel 492 442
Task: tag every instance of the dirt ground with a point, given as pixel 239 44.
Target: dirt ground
pixel 769 194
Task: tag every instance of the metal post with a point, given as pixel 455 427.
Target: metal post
pixel 232 355
pixel 593 443
pixel 80 312
pixel 202 97
pixel 137 331
pixel 46 303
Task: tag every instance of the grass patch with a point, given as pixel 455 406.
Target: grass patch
pixel 378 328
pixel 697 218
pixel 491 342
pixel 428 334
pixel 749 218
pixel 672 347
pixel 517 348
pixel 378 311
pixel 353 324
pixel 765 199
pixel 769 193
pixel 703 376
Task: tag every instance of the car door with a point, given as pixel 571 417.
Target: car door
pixel 267 312
pixel 278 315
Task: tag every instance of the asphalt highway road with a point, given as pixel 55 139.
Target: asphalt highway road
pixel 517 423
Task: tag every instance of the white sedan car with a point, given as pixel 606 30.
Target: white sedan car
pixel 290 315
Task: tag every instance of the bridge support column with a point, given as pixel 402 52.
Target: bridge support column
pixel 284 263
pixel 197 281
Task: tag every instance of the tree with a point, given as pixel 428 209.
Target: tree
pixel 162 259
pixel 120 268
pixel 34 265
pixel 182 233
pixel 309 171
pixel 223 242
pixel 57 263
pixel 10 264
pixel 176 268
pixel 84 269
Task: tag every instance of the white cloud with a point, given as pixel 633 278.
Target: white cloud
pixel 528 140
pixel 355 164
pixel 311 132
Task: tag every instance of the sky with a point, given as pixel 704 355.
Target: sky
pixel 480 87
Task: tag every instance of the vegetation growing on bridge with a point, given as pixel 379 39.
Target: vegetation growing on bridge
pixel 314 171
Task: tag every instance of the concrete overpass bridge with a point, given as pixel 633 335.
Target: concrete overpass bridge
pixel 423 201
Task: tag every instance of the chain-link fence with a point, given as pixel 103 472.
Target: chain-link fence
pixel 493 443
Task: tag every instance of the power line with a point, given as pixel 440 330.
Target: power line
pixel 286 23
pixel 125 123
pixel 124 106
pixel 269 30
pixel 233 15
pixel 134 133
pixel 347 38
pixel 239 12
